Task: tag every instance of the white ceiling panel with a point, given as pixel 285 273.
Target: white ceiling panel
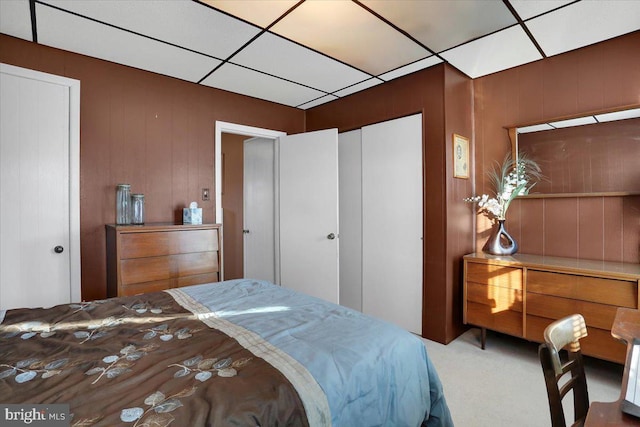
pixel 262 13
pixel 584 23
pixel 360 86
pixel 252 83
pixel 496 52
pixel 528 9
pixel 70 32
pixel 319 101
pixel 307 52
pixel 15 18
pixel 411 68
pixel 280 57
pixel 466 19
pixel 343 30
pixel 180 22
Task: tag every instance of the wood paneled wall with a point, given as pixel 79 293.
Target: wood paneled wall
pixel 157 133
pixel 594 78
pixel 151 131
pixel 444 97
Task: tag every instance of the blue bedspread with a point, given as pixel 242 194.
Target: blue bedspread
pixel 373 373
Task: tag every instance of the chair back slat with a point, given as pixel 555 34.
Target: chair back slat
pixel 565 333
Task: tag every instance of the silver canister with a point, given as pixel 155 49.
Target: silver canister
pixel 137 206
pixel 123 204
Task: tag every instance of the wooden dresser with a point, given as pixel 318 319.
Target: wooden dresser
pixel 521 294
pixel 148 258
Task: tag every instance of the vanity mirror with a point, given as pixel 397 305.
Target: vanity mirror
pixel 591 155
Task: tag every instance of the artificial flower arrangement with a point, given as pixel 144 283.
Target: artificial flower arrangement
pixel 511 179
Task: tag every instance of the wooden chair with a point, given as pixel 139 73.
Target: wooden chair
pixel 565 332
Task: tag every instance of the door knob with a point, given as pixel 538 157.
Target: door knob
pixel 58 249
pixel 245 231
pixel 331 236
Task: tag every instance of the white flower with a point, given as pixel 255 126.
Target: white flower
pixel 510 180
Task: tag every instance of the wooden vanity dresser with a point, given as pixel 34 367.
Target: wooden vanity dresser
pixel 154 257
pixel 521 295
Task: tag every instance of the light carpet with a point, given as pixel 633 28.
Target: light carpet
pixel 503 385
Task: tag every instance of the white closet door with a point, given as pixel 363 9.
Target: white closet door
pixel 259 209
pixel 392 219
pixel 308 213
pixel 350 173
pixel 35 247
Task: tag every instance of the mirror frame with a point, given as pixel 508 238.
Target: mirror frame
pixel 513 138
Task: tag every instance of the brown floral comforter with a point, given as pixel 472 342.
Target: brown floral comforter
pixel 140 361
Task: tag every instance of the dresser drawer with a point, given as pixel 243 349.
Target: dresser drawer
pixel 497 298
pixel 143 288
pixel 138 270
pixel 483 315
pixel 494 275
pixel 147 244
pixel 197 263
pixel 150 244
pixel 198 241
pixel 552 307
pixel 618 293
pixel 598 343
pixel 198 279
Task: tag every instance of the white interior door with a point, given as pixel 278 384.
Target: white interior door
pixel 308 213
pixel 259 209
pixel 38 244
pixel 392 218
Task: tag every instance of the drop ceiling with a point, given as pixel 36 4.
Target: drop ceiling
pixel 306 53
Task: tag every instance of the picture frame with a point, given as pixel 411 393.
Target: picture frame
pixel 461 164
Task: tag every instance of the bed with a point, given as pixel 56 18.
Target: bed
pixel 239 352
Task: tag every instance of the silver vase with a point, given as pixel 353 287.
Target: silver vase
pixel 500 242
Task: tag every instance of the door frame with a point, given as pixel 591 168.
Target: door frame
pixel 74 165
pixel 221 127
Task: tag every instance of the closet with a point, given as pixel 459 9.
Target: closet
pixel 381 220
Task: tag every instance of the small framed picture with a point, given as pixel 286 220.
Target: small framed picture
pixel 460 156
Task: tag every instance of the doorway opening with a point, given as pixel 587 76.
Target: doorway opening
pixel 242 200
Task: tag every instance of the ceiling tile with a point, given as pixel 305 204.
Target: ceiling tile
pixel 181 22
pixel 408 69
pixel 496 52
pixel 358 87
pixel 465 19
pixel 262 13
pixel 80 35
pixel 319 101
pixel 584 23
pixel 15 19
pixel 528 9
pixel 283 58
pixel 347 32
pixel 252 83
